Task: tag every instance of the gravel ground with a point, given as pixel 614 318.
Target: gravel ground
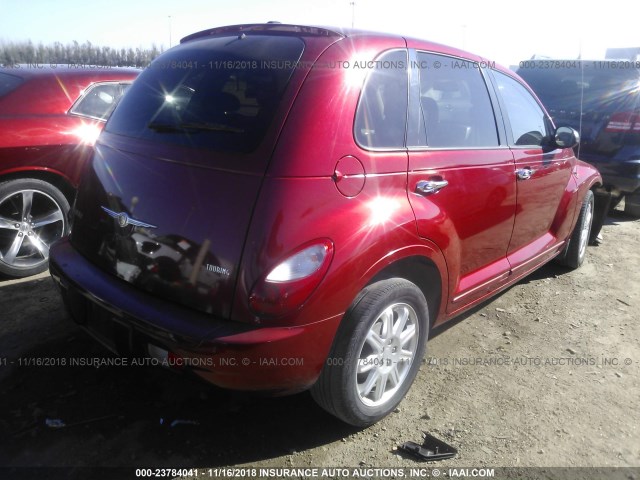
pixel 544 375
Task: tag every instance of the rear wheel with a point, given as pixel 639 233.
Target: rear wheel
pixel 576 249
pixel 376 354
pixel 33 215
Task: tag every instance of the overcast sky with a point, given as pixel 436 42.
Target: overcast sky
pixel 500 30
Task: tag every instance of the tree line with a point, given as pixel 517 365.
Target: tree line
pixel 25 52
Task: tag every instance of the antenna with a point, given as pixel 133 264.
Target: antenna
pixel 464 36
pixel 353 13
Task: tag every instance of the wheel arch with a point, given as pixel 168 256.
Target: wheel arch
pixel 421 271
pixel 52 177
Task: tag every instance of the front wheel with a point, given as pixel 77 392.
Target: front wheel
pixel 575 251
pixel 376 354
pixel 33 215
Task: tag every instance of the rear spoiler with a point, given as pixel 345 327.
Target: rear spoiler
pixel 272 28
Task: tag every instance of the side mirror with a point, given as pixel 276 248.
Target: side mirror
pixel 566 137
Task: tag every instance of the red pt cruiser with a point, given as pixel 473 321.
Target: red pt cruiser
pixel 280 208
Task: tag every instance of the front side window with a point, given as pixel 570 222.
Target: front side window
pixel 525 116
pixel 381 116
pixel 99 100
pixel 455 107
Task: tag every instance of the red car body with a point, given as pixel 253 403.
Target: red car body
pixel 277 254
pixel 47 129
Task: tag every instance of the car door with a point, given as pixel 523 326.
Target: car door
pixel 543 174
pixel 461 181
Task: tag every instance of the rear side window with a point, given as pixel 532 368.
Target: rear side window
pixel 526 117
pixel 9 83
pixel 99 100
pixel 219 93
pixel 381 116
pixel 455 107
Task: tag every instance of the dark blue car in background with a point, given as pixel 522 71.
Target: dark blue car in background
pixel 601 100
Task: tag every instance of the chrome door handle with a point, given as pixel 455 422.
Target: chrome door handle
pixel 427 187
pixel 525 173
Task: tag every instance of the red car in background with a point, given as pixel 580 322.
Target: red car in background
pixel 49 118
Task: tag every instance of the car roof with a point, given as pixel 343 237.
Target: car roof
pixel 310 31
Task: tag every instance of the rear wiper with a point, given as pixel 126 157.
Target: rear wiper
pixel 179 127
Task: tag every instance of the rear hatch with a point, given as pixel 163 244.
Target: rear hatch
pixel 600 99
pixel 167 200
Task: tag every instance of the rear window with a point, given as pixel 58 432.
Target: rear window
pixel 9 83
pixel 219 93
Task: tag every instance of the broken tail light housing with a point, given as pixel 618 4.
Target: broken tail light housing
pixel 290 283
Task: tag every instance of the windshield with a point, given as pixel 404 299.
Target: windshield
pixel 218 93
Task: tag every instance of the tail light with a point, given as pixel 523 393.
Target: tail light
pixel 624 122
pixel 290 283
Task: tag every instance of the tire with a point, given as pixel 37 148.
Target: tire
pixel 367 373
pixel 33 215
pixel 615 201
pixel 576 249
pixel 632 205
pixel 601 207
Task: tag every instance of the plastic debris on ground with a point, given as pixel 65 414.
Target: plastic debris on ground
pixel 432 449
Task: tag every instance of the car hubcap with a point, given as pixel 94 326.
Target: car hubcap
pixel 586 229
pixel 387 354
pixel 30 221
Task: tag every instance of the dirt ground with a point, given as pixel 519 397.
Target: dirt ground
pixel 544 375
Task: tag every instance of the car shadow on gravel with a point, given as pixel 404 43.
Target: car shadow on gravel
pixel 129 416
pixel 618 216
pixel 146 416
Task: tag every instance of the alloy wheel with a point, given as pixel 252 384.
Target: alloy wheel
pixel 387 353
pixel 30 221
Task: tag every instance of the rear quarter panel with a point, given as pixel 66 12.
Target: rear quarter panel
pixel 299 200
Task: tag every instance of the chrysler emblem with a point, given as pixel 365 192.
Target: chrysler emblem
pixel 123 219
